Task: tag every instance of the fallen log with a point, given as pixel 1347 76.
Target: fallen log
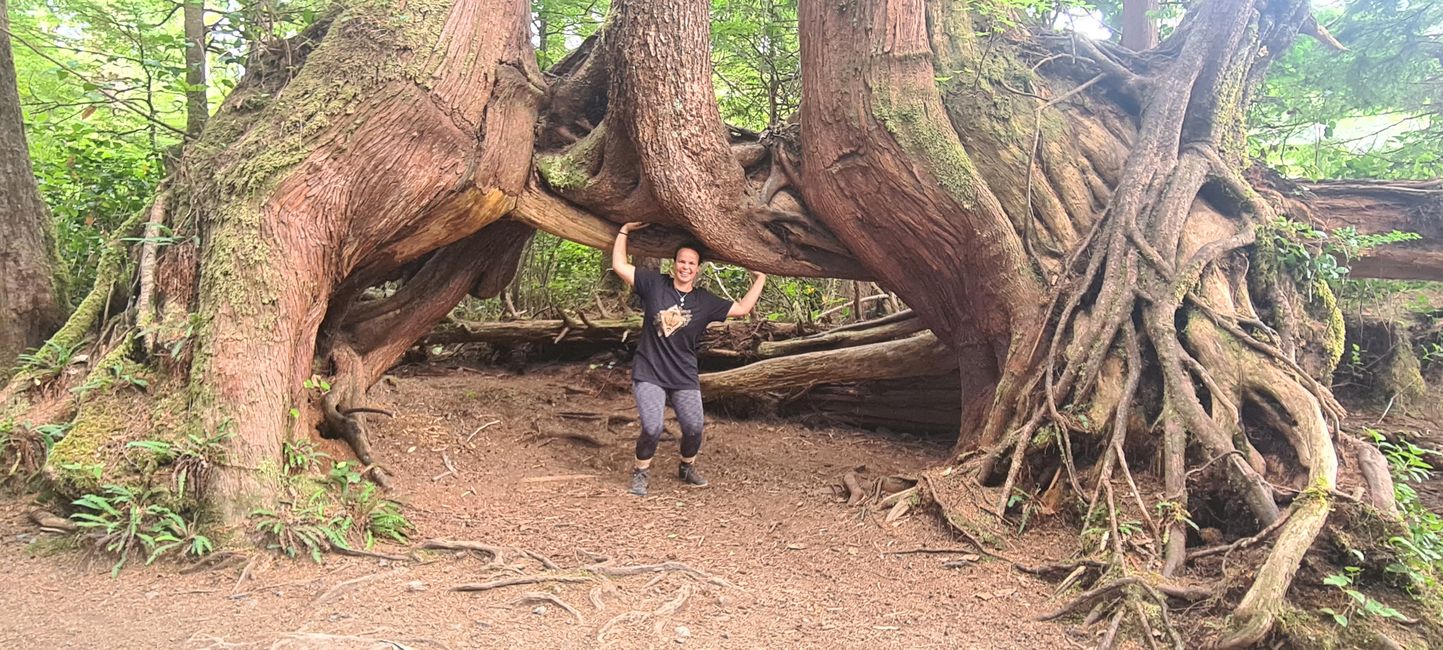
pixel 835 339
pixel 915 356
pixel 1372 208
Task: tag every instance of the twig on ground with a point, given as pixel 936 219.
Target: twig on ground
pixel 479 430
pixel 556 478
pixel 450 469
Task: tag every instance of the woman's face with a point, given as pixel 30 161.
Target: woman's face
pixel 687 263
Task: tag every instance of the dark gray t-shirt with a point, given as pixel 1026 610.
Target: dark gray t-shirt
pixel 674 322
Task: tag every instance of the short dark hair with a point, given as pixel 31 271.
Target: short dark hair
pixel 700 252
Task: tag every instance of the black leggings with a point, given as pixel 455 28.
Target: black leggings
pixel 651 404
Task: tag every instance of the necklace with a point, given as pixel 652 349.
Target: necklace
pixel 680 297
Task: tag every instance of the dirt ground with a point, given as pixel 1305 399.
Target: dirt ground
pixel 542 467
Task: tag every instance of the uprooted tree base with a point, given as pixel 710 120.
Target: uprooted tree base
pixel 1069 219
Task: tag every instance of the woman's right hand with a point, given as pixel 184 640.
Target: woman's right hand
pixel 635 225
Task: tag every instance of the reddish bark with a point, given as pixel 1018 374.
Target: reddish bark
pixel 883 168
pixel 404 170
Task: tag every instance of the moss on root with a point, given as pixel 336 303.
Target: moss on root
pixel 1335 333
pixel 569 170
pixel 121 402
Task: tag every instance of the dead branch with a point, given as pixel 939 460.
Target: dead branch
pixel 51 523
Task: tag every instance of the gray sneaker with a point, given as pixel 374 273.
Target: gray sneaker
pixel 688 475
pixel 638 482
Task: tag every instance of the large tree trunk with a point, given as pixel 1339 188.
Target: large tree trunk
pixel 30 301
pixel 350 173
pixel 364 150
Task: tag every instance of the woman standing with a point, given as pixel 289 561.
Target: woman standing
pixel 665 369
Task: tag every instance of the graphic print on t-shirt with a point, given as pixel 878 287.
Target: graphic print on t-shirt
pixel 671 319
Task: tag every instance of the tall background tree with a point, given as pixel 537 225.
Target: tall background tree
pixel 31 297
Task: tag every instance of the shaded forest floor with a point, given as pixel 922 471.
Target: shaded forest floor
pixel 540 463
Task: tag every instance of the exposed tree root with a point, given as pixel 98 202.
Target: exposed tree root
pixel 50 523
pixel 599 567
pixel 512 581
pixel 543 597
pixel 356 552
pixel 317 639
pixel 666 609
pixel 346 586
pixel 349 428
pixel 1149 328
pixel 498 554
pixel 1241 543
pixel 622 571
pixel 1119 590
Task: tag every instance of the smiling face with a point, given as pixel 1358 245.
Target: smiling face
pixel 687 264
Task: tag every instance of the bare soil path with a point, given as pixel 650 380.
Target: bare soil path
pixel 537 469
